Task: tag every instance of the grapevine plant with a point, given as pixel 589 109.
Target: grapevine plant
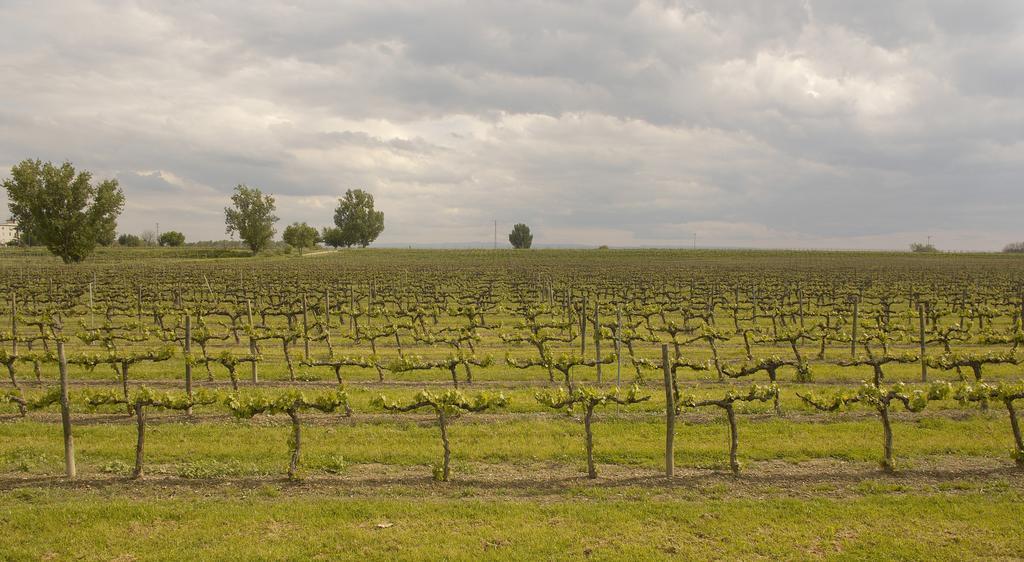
pixel 447 406
pixel 138 402
pixel 881 399
pixel 754 393
pixel 291 403
pixel 589 399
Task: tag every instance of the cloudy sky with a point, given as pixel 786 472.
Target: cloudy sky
pixel 837 124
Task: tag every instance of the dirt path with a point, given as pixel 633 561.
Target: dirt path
pixel 825 478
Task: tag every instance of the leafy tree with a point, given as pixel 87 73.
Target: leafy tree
pixel 333 237
pixel 171 238
pixel 252 217
pixel 62 209
pixel 520 237
pixel 918 247
pixel 355 216
pixel 107 237
pixel 300 235
pixel 130 240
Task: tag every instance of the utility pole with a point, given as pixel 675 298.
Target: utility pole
pixel 694 240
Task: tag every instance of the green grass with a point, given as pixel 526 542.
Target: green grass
pixel 263 524
pixel 260 448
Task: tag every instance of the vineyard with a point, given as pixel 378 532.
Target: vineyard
pixel 856 381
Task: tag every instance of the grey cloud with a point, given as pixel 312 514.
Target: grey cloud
pixel 793 121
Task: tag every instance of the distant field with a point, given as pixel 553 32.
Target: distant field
pixel 506 322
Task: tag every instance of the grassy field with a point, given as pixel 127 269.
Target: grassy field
pixel 215 486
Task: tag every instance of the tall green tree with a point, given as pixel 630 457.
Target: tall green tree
pixel 61 209
pixel 333 237
pixel 300 235
pixel 520 237
pixel 252 217
pixel 171 238
pixel 359 222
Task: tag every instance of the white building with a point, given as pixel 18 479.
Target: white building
pixel 8 232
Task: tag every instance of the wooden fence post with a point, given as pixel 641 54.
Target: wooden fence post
pixel 65 412
pixel 583 326
pixel 188 359
pixel 597 340
pixel 670 414
pixel 853 333
pixel 618 346
pixel 920 321
pixel 305 326
pixel 252 343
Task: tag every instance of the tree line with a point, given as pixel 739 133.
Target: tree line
pixel 62 209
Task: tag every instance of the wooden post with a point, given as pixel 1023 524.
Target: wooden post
pixel 14 324
pixel 65 412
pixel 618 346
pixel 305 326
pixel 327 309
pixel 924 366
pixel 670 414
pixel 583 326
pixel 252 343
pixel 188 358
pixel 853 333
pixel 91 322
pixel 597 341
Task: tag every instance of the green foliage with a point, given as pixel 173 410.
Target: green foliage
pixel 520 237
pixel 62 209
pixel 145 396
pixel 451 402
pixel 171 238
pixel 333 237
pixel 247 405
pixel 754 393
pixel 251 216
pixel 129 240
pixel 360 224
pixel 918 247
pixel 34 402
pixel 300 235
pixel 590 397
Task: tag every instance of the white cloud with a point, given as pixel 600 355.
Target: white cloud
pixel 822 123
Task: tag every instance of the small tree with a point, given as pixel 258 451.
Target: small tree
pixel 359 223
pixel 129 240
pixel 1005 392
pixel 171 238
pixel 589 398
pixel 138 402
pixel 333 237
pixel 252 217
pixel 881 399
pixel 520 237
pixel 292 403
pixel 300 235
pixel 1014 248
pixel 448 405
pixel 918 247
pixel 62 209
pixel 727 403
